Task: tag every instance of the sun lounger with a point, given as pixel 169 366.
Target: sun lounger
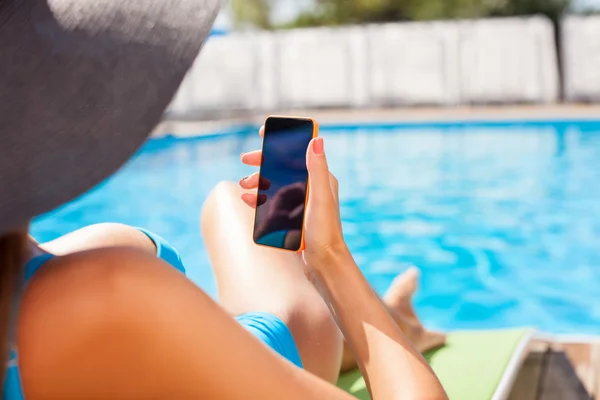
pixel 477 365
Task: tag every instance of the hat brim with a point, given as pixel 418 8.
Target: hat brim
pixel 87 82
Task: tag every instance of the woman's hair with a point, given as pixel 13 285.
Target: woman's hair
pixel 13 253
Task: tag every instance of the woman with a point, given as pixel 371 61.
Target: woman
pixel 101 317
pixel 97 314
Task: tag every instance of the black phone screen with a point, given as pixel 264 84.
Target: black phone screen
pixel 283 183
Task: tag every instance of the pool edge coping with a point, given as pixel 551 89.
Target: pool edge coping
pixel 199 129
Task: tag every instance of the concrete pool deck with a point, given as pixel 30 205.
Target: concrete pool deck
pixel 190 127
pixel 559 371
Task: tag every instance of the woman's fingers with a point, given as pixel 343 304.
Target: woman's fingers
pixel 320 177
pixel 333 182
pixel 255 181
pixel 249 199
pixel 252 158
pixel 253 200
pixel 250 182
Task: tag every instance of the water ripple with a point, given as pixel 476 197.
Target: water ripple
pixel 504 223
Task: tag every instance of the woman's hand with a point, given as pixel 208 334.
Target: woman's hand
pixel 323 229
pixel 383 353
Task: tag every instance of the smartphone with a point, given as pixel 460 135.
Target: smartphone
pixel 283 183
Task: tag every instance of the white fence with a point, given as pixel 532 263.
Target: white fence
pixel 581 58
pixel 436 63
pixel 508 61
pixel 413 64
pixel 224 77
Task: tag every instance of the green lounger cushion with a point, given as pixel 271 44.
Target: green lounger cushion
pixel 471 366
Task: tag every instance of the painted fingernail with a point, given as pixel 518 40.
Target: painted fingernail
pixel 318 146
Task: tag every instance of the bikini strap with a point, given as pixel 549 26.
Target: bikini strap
pixel 35 264
pixel 12 388
pixel 31 268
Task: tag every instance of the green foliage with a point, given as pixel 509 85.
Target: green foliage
pixel 554 9
pixel 449 9
pixel 252 12
pixel 344 12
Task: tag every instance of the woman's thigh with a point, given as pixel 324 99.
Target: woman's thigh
pixel 253 278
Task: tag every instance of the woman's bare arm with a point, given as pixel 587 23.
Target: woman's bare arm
pixel 392 367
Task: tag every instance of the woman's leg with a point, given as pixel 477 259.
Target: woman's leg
pixel 398 301
pixel 251 278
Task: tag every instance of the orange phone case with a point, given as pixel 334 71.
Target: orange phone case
pixel 314 135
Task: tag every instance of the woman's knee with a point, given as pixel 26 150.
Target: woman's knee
pixel 223 190
pixel 318 338
pixel 220 195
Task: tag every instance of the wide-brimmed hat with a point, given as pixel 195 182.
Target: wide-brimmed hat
pixel 82 84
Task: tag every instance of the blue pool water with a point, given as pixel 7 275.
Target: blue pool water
pixel 502 218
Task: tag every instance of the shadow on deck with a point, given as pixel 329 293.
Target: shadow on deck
pixel 559 372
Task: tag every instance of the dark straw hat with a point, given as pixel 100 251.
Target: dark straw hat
pixel 82 84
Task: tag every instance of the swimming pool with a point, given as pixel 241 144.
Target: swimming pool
pixel 502 218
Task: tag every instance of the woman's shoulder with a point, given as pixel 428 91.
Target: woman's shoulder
pixel 79 311
pixel 96 283
pixel 95 272
pixel 122 323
